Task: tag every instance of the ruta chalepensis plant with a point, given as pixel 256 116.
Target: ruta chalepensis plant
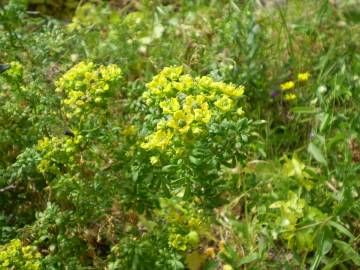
pixel 193 127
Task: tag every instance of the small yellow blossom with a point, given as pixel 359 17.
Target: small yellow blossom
pixel 162 124
pixel 232 90
pixel 204 81
pixel 110 72
pixel 198 106
pixel 172 73
pixel 224 103
pixel 221 245
pixel 98 100
pixel 194 102
pixel 160 139
pixel 129 130
pixel 170 106
pixel 186 81
pixel 154 160
pixel 210 252
pixel 181 121
pixel 196 130
pixel 16 70
pixel 179 151
pixel 240 111
pixel 287 85
pixel 303 76
pixel 290 97
pixel 203 114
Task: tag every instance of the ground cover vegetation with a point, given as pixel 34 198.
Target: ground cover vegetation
pixel 179 135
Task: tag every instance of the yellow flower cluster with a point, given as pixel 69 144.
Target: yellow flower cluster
pixel 185 224
pixel 85 85
pixel 16 70
pixel 160 139
pixel 187 104
pixel 15 256
pixel 290 85
pixel 60 149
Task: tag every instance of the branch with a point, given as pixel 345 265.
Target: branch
pixel 12 186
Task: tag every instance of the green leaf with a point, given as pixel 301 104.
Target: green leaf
pixel 165 189
pixel 334 140
pixel 323 243
pixel 248 259
pixel 211 265
pixel 348 251
pixel 324 122
pixel 316 153
pixel 194 160
pixel 341 229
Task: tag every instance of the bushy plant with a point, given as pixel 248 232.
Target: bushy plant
pixel 179 135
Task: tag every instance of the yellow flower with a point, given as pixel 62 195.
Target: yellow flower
pixel 231 90
pixel 204 81
pixel 287 85
pixel 172 73
pixel 84 84
pixel 98 100
pixel 290 97
pixel 198 106
pixel 196 130
pixel 240 111
pixel 210 252
pixel 160 139
pixel 110 72
pixel 193 102
pixel 303 76
pixel 187 81
pixel 170 106
pixel 154 160
pixel 16 70
pixel 203 114
pixel 129 130
pixel 224 103
pixel 181 121
pixel 221 245
pixel 162 124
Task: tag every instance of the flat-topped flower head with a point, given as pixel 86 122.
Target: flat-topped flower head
pixel 186 105
pixel 16 70
pixel 160 139
pixel 181 121
pixel 85 86
pixel 225 104
pixel 230 89
pixel 170 106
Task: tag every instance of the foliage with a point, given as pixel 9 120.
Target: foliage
pixel 179 135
